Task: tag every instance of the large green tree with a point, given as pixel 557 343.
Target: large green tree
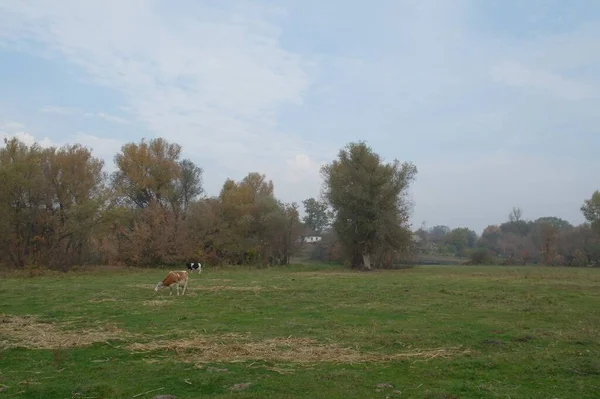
pixel 369 201
pixel 591 210
pixel 316 216
pixel 189 184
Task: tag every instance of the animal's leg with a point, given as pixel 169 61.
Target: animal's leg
pixel 184 287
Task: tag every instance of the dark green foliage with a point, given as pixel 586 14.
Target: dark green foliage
pixel 189 185
pixel 440 240
pixel 317 216
pixel 460 240
pixel 591 210
pixel 369 200
pixel 481 256
pixel 520 228
pixel 557 223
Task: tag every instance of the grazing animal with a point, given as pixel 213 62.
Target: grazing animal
pixel 174 279
pixel 194 266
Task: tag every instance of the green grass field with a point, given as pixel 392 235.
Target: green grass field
pixel 304 332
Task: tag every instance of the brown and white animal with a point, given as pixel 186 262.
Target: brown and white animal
pixel 174 279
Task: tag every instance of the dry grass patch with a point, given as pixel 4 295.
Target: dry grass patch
pixel 28 332
pixel 234 348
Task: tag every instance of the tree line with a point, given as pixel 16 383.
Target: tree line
pixel 59 208
pixel 547 240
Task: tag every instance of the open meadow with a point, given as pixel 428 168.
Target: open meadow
pixel 311 331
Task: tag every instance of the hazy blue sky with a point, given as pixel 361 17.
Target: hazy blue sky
pixel 497 102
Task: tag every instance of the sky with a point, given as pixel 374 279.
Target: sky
pixel 496 102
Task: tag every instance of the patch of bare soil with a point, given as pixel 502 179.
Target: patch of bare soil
pixel 28 332
pixel 288 350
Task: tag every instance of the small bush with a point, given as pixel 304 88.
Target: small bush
pixel 480 256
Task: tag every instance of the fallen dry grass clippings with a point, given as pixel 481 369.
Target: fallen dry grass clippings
pixel 240 387
pixel 284 350
pixel 28 332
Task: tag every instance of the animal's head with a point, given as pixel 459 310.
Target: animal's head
pixel 159 286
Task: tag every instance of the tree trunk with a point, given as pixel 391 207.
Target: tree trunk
pixel 367 261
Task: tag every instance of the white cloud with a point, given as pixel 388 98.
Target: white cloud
pixel 300 177
pixel 112 118
pixel 105 148
pixel 54 109
pixel 60 110
pixel 26 138
pixel 11 126
pixel 216 80
pixel 565 51
pixel 204 77
pixel 516 74
pixel 108 117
